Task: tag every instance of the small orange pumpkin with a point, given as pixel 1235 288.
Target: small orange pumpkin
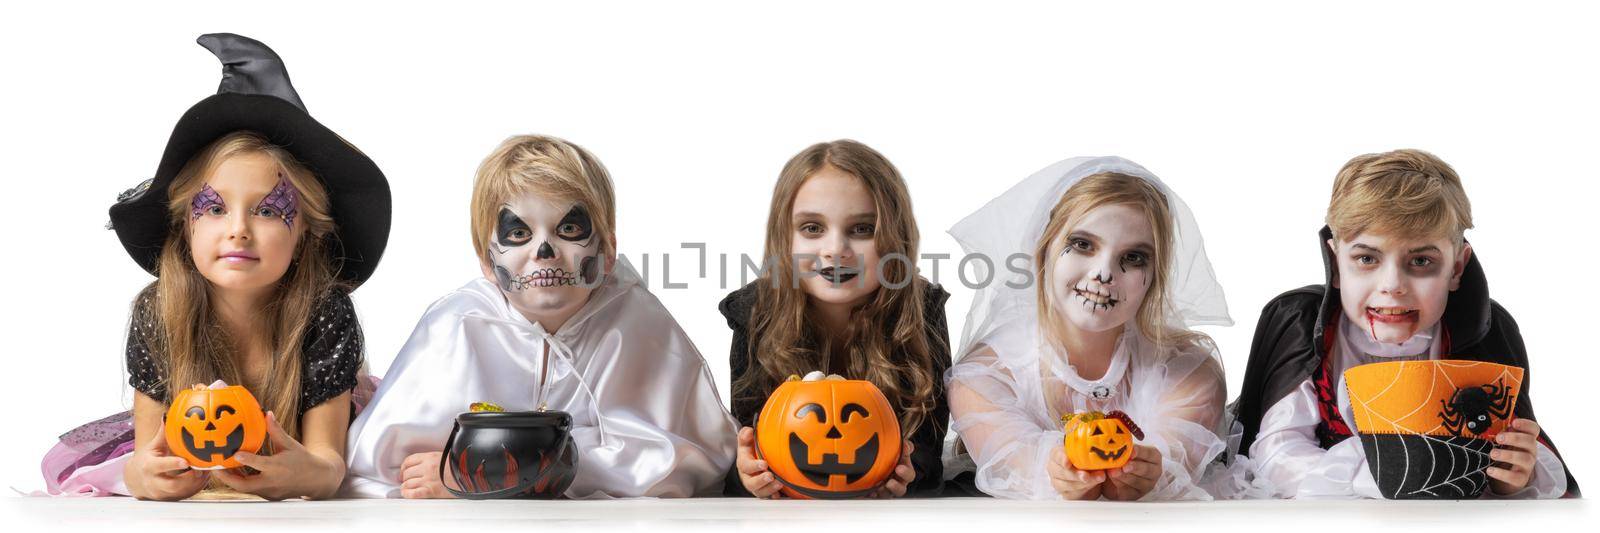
pixel 1100 441
pixel 206 427
pixel 828 439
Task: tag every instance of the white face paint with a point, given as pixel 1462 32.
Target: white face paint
pixel 546 258
pixel 835 243
pixel 1101 270
pixel 1393 288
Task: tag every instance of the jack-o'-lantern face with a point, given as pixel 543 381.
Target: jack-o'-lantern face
pixel 829 439
pixel 206 427
pixel 1099 442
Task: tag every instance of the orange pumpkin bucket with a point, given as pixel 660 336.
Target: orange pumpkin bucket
pixel 828 439
pixel 206 426
pixel 1427 426
pixel 1099 441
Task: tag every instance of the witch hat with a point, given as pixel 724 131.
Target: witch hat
pixel 255 95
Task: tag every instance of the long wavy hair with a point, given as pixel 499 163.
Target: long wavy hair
pixel 1110 188
pixel 888 341
pixel 189 333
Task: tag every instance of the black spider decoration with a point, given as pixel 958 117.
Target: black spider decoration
pixel 1474 409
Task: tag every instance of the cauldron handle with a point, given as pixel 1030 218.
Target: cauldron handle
pixel 449 447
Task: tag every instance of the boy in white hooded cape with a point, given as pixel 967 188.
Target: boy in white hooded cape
pixel 557 324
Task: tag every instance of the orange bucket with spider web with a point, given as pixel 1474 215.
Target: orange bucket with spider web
pixel 1427 426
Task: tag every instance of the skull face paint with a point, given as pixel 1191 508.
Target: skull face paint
pixel 1393 288
pixel 1101 269
pixel 544 256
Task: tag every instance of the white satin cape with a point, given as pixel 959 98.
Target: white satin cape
pixel 647 417
pixel 1006 400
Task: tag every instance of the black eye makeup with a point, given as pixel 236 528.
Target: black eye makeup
pixel 576 226
pixel 863 230
pixel 510 230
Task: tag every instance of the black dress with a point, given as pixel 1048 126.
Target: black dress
pixel 331 351
pixel 332 361
pixel 928 440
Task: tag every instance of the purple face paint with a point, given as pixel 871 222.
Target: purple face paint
pixel 284 200
pixel 204 201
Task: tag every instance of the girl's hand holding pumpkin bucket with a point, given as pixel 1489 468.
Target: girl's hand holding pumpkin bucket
pixel 1133 480
pixel 286 473
pixel 1069 481
pixel 902 477
pixel 153 473
pixel 753 472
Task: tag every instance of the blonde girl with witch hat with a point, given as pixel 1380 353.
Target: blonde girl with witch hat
pixel 257 225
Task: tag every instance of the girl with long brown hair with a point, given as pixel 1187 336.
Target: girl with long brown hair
pixel 257 224
pixel 839 294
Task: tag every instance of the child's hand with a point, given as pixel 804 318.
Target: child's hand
pixel 291 471
pixel 419 477
pixel 1071 483
pixel 1135 479
pixel 753 472
pixel 153 473
pixel 1515 455
pixel 896 486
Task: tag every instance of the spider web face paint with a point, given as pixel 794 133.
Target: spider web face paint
pixel 283 200
pixel 204 201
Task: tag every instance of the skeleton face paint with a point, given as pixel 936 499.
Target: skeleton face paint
pixel 1393 288
pixel 283 202
pixel 834 245
pixel 1102 268
pixel 544 257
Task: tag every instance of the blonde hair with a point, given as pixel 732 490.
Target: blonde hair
pixel 1410 194
pixel 550 167
pixel 888 337
pixel 1110 188
pixel 197 348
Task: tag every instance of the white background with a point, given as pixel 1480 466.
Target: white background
pixel 1246 110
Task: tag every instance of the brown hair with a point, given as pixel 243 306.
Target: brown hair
pixel 888 336
pixel 1110 188
pixel 197 348
pixel 1407 193
pixel 551 167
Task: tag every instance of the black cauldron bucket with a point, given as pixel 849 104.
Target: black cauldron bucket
pixel 526 454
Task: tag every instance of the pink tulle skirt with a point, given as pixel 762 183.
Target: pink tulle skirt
pixel 88 460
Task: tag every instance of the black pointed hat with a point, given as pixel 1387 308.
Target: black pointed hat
pixel 256 95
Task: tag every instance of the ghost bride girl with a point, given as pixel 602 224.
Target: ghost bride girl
pixel 1097 318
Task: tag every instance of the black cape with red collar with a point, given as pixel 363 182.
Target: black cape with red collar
pixel 1290 343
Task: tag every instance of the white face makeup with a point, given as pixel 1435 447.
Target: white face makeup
pixel 1102 268
pixel 1393 288
pixel 545 257
pixel 834 244
pixel 242 230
